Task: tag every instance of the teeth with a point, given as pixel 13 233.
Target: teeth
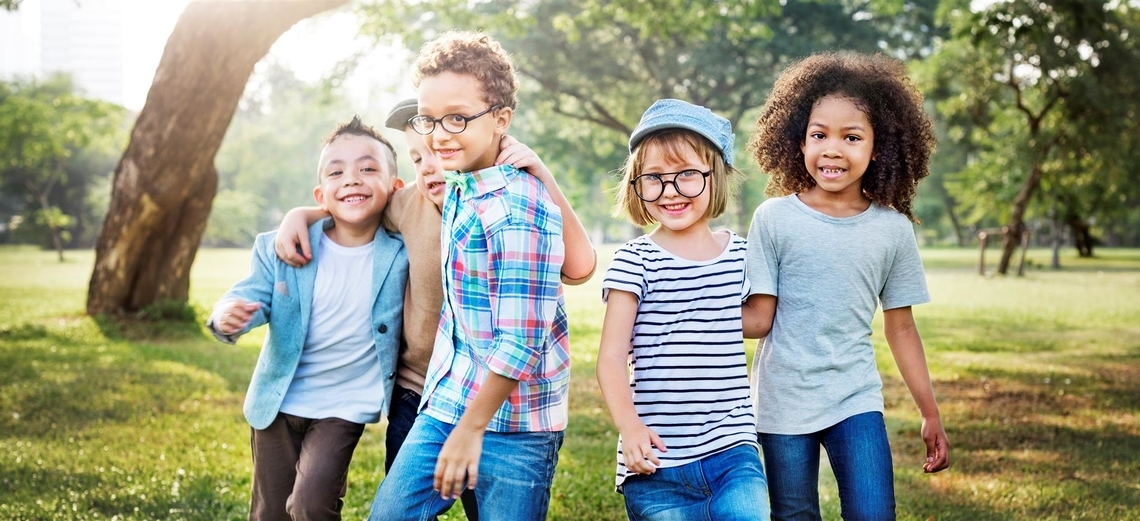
pixel 353 198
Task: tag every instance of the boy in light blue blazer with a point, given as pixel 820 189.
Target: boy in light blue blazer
pixel 328 363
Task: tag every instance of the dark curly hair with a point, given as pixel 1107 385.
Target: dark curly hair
pixel 879 86
pixel 477 54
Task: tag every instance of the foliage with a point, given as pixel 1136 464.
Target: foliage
pixel 55 145
pixel 1037 380
pixel 589 69
pixel 1037 95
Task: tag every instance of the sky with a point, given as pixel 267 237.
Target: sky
pixel 310 48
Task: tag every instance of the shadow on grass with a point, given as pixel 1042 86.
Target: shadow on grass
pixel 1032 444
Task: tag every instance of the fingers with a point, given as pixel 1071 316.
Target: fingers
pixel 237 317
pixel 450 480
pixel 937 455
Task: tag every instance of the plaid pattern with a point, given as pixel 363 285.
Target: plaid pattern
pixel 503 309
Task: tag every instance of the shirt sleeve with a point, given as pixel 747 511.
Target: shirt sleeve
pixel 626 273
pixel 257 287
pixel 905 283
pixel 761 263
pixel 524 281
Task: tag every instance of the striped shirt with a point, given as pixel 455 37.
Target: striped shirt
pixel 503 310
pixel 690 375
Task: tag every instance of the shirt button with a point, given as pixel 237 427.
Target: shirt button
pixel 382 329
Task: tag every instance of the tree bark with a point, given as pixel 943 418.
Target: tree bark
pixel 165 182
pixel 1012 238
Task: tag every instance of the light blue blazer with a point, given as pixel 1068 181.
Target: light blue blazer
pixel 286 296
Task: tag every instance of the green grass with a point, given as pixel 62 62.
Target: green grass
pixel 1038 379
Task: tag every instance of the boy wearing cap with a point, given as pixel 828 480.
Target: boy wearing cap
pixel 415 212
pixel 327 364
pixel 671 365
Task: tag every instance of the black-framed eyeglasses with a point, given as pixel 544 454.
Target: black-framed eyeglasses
pixel 688 183
pixel 453 123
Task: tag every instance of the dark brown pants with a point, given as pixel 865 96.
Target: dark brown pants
pixel 300 468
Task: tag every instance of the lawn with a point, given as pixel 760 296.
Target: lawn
pixel 1038 379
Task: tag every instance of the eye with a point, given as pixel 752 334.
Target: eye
pixel 853 138
pixel 816 135
pixel 369 169
pixel 454 119
pixel 334 173
pixel 688 174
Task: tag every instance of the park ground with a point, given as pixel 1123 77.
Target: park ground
pixel 1038 378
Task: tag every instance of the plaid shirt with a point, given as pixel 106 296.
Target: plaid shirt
pixel 503 309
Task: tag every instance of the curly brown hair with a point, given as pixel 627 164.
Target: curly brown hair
pixel 879 86
pixel 477 54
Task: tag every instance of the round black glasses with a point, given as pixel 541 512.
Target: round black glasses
pixel 687 183
pixel 453 123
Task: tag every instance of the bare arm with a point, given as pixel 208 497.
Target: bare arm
pixel 581 259
pixel 906 347
pixel 294 233
pixel 757 314
pixel 459 458
pixel 613 378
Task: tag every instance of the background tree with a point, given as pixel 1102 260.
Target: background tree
pixel 590 68
pixel 1024 83
pixel 44 129
pixel 166 180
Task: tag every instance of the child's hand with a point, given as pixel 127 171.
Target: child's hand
pixel 236 317
pixel 937 445
pixel 637 443
pixel 458 462
pixel 294 232
pixel 513 152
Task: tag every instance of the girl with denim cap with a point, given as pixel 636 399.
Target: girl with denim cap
pixel 845 141
pixel 671 365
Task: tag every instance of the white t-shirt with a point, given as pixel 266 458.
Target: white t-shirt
pixel 817 366
pixel 339 374
pixel 690 374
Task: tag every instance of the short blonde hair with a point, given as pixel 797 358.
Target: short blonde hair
pixel 672 143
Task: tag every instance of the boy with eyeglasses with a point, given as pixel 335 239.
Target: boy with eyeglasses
pixel 495 401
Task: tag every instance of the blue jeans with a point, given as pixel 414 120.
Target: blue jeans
pixel 516 470
pixel 860 457
pixel 728 485
pixel 401 417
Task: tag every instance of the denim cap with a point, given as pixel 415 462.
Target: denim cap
pixel 400 114
pixel 674 113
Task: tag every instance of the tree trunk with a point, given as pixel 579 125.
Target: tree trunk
pixel 1012 238
pixel 959 235
pixel 165 182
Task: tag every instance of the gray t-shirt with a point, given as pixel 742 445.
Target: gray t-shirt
pixel 817 366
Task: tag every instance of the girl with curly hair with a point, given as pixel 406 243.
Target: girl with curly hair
pixel 845 141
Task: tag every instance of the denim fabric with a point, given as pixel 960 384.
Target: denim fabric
pixel 860 457
pixel 401 416
pixel 516 470
pixel 729 485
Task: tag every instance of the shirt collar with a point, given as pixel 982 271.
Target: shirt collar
pixel 479 182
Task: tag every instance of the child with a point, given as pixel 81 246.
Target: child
pixel 334 329
pixel 415 212
pixel 845 141
pixel 687 446
pixel 495 397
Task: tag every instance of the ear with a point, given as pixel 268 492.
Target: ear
pixel 503 118
pixel 397 184
pixel 319 196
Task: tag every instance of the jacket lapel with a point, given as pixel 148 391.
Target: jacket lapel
pixel 307 274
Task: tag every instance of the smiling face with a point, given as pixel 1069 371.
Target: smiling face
pixel 429 173
pixel 838 147
pixel 477 146
pixel 674 211
pixel 354 181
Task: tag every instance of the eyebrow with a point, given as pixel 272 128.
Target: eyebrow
pixel 365 157
pixel 848 127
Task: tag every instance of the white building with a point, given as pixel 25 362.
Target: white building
pixel 84 39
